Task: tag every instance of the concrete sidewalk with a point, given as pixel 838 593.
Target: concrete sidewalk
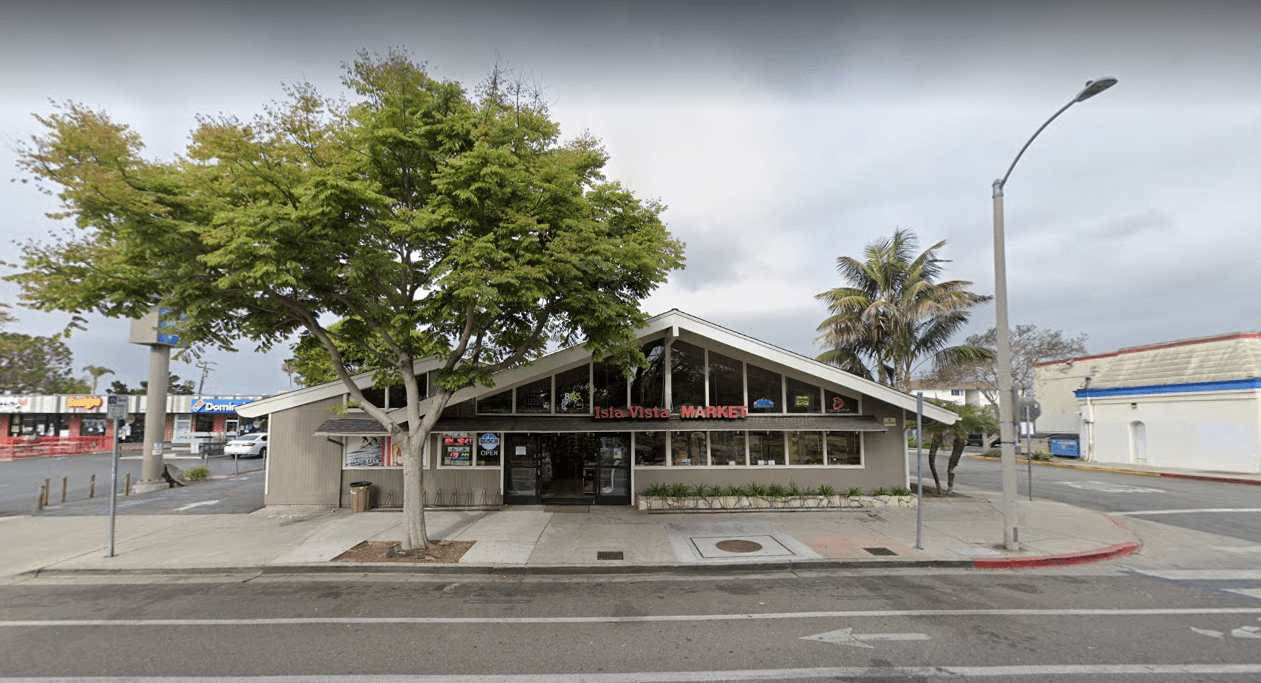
pixel 962 531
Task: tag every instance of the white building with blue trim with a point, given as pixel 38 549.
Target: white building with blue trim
pixel 1193 404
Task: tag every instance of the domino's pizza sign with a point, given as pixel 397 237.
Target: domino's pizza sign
pixel 218 405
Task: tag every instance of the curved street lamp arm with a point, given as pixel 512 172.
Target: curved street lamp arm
pixel 998 184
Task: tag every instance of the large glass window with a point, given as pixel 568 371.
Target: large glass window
pixel 573 390
pixel 805 448
pixel 535 397
pixel 802 397
pixel 726 381
pixel 92 426
pixel 766 448
pixel 496 403
pixel 689 449
pixel 687 375
pixel 844 448
pixel 35 424
pixel 608 386
pixel 456 450
pixel 727 448
pixel 203 422
pixel 489 449
pixel 650 448
pixel 648 385
pixel 765 391
pixel 838 403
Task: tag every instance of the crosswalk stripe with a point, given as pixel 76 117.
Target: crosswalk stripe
pixel 1204 574
pixel 1180 512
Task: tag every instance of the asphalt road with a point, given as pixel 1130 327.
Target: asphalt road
pixel 19 480
pixel 1088 624
pixel 1232 510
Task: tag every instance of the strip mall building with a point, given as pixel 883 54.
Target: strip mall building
pixel 712 407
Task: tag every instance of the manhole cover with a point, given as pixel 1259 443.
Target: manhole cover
pixel 880 551
pixel 738 546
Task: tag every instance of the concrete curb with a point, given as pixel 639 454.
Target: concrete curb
pixel 1222 479
pixel 1109 553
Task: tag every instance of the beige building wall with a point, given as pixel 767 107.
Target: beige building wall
pixel 302 469
pixel 1212 431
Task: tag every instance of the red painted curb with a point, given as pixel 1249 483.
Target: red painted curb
pixel 1109 553
pixel 1220 480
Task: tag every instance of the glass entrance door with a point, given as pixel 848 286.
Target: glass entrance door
pixel 613 469
pixel 521 469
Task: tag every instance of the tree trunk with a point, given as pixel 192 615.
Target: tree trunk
pixel 956 454
pixel 415 537
pixel 933 445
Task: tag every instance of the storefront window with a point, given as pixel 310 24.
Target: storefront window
pixel 496 403
pixel 837 403
pixel 203 422
pixel 687 375
pixel 802 397
pixel 689 449
pixel 726 380
pixel 535 397
pixel 573 389
pixel 765 391
pixel 650 448
pixel 648 385
pixel 727 448
pixel 608 386
pixel 371 451
pixel 805 448
pixel 35 424
pixel 844 448
pixel 456 450
pixel 614 448
pixel 489 449
pixel 766 448
pixel 92 426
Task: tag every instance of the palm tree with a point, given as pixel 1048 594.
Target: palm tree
pixel 97 373
pixel 893 312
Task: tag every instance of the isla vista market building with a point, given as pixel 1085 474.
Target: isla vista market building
pixel 713 407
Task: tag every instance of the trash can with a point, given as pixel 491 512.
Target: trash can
pixel 360 496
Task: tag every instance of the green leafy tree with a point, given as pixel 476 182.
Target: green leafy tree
pixel 35 365
pixel 893 312
pixel 433 224
pixel 972 420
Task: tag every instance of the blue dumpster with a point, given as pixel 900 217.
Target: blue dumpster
pixel 1065 446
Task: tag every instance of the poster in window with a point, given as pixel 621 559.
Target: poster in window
pixel 457 450
pixel 365 451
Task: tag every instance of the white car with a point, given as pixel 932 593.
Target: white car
pixel 247 445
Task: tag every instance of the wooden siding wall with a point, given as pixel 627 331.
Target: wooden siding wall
pixel 302 469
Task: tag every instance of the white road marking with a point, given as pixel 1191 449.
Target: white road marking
pixel 1107 487
pixel 1250 592
pixel 1208 632
pixel 296 621
pixel 1204 574
pixel 882 672
pixel 846 636
pixel 1247 632
pixel 1182 512
pixel 1238 549
pixel 193 505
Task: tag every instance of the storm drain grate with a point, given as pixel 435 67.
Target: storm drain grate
pixel 880 551
pixel 608 555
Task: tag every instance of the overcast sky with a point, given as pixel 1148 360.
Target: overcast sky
pixel 780 135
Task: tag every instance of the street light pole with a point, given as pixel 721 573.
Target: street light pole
pixel 1002 360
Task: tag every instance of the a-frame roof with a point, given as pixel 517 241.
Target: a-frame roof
pixel 673 321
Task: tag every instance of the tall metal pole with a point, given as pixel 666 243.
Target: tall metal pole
pixel 919 470
pixel 1002 355
pixel 113 487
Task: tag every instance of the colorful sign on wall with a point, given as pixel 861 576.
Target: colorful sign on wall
pixel 84 402
pixel 218 405
pixel 14 404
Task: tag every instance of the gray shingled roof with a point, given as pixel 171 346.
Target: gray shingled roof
pixel 351 426
pixel 1214 359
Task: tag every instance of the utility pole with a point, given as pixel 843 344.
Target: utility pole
pixel 205 369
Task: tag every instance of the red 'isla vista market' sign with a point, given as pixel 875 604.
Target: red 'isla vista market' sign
pixel 685 412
